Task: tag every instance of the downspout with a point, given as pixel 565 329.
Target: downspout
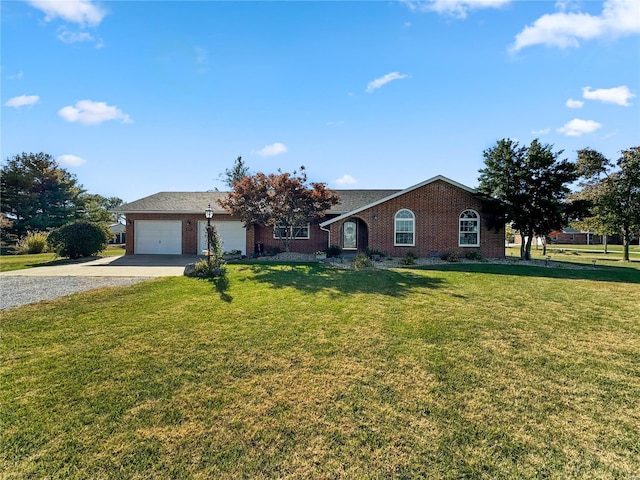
pixel 328 236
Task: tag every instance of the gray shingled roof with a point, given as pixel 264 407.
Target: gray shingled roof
pixel 352 199
pixel 175 202
pixel 196 202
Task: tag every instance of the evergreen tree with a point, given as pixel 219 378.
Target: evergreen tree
pixel 532 183
pixel 37 194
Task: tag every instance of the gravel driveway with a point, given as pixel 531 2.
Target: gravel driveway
pixel 16 291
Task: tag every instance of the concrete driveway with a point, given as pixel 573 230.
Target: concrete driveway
pixel 122 266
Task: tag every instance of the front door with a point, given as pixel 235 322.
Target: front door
pixel 350 235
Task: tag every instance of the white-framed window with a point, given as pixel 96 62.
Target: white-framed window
pixel 299 232
pixel 469 229
pixel 404 230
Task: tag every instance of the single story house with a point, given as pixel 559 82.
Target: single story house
pixel 437 216
pixel 118 230
pixel 572 236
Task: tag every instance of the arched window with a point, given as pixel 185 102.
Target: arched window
pixel 404 232
pixel 469 229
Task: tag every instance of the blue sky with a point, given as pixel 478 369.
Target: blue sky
pixel 136 97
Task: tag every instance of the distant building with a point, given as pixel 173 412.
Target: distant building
pixel 571 236
pixel 119 233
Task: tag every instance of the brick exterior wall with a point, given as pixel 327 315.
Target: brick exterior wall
pixel 189 229
pixel 436 207
pixel 318 240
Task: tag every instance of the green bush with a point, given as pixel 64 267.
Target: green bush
pixel 474 255
pixel 79 239
pixel 214 265
pixel 371 252
pixel 452 257
pixel 334 251
pixel 32 242
pixel 409 259
pixel 207 269
pixel 361 261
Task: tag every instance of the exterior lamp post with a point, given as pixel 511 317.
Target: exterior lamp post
pixel 209 214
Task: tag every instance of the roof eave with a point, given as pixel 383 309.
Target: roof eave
pixel 169 212
pixel 397 194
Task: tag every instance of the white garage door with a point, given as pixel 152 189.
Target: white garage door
pixel 158 237
pixel 232 234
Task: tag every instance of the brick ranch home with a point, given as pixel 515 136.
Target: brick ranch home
pixel 437 216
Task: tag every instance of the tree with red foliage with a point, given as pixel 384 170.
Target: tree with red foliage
pixel 283 200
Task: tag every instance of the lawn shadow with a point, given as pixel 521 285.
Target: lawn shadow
pixel 555 269
pixel 314 278
pixel 221 285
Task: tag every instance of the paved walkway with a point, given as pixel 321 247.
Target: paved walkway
pixel 122 266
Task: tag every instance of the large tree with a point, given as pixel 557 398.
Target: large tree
pixel 532 183
pixel 614 193
pixel 97 208
pixel 37 194
pixel 284 201
pixel 235 173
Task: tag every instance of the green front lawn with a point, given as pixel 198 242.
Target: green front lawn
pixel 581 254
pixel 455 371
pixel 20 262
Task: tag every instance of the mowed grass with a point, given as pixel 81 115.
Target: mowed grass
pixel 21 262
pixel 299 371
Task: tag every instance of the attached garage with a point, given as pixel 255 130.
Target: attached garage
pixel 174 223
pixel 158 237
pixel 233 236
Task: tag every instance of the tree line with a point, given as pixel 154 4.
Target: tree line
pixel 529 185
pixel 532 186
pixel 38 195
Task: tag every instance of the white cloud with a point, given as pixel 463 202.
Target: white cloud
pixel 379 82
pixel 70 160
pixel 566 29
pixel 272 150
pixel 68 36
pixel 544 131
pixel 455 8
pixel 16 76
pixel 22 101
pixel 346 179
pixel 578 127
pixel 571 103
pixel 565 5
pixel 88 112
pixel 82 12
pixel 617 95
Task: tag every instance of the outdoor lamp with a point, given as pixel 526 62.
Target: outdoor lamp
pixel 209 214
